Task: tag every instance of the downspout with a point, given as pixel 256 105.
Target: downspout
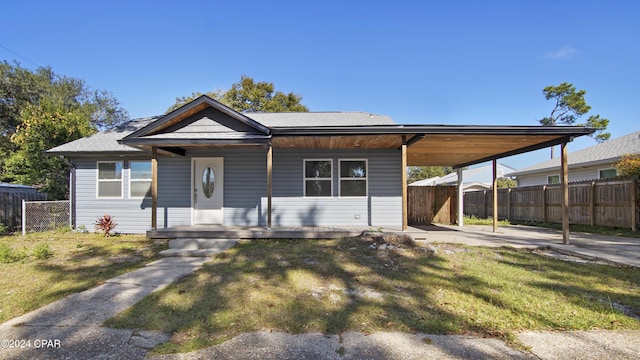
pixel 72 191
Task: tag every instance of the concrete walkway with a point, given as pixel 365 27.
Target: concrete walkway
pixel 70 328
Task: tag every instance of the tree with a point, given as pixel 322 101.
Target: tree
pixel 45 125
pixel 570 105
pixel 505 182
pixel 629 165
pixel 415 173
pixel 248 96
pixel 34 101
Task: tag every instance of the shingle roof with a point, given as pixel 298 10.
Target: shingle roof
pixel 605 152
pixel 320 119
pixel 107 141
pixel 104 141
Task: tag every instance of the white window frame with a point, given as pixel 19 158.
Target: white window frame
pixel 305 178
pixel 98 180
pixel 131 179
pixel 365 178
pixel 606 169
pixel 559 179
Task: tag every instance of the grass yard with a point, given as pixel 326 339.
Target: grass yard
pixel 40 268
pixel 335 286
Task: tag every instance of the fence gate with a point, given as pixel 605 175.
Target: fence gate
pixel 45 215
pixel 431 204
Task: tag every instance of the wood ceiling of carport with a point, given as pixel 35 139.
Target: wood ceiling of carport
pixel 433 149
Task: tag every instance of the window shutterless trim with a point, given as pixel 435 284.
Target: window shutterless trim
pixel 121 180
pixel 131 179
pixel 606 169
pixel 365 178
pixel 305 178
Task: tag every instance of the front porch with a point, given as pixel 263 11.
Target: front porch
pixel 257 232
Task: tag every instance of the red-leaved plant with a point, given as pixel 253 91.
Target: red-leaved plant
pixel 105 224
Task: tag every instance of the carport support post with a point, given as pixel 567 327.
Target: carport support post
pixel 564 173
pixel 154 188
pixel 269 183
pixel 494 187
pixel 404 184
pixel 460 200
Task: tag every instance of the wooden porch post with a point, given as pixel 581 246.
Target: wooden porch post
pixel 154 188
pixel 460 199
pixel 404 184
pixel 564 172
pixel 269 183
pixel 494 187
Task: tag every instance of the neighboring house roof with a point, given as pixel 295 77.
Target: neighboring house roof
pixel 16 186
pixel 603 153
pixel 472 176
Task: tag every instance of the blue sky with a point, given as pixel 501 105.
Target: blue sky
pixel 430 62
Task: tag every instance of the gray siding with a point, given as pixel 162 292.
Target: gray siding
pixel 131 215
pixel 579 174
pixel 382 206
pixel 245 189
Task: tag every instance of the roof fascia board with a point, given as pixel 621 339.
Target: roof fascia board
pixel 204 99
pixel 133 152
pixel 431 130
pixel 192 142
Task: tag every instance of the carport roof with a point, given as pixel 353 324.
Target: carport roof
pixel 436 145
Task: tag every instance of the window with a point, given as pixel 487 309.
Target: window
pixel 139 179
pixel 353 178
pixel 109 179
pixel 607 173
pixel 553 179
pixel 317 178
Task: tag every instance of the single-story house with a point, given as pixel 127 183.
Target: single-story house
pixel 595 162
pixel 474 179
pixel 205 163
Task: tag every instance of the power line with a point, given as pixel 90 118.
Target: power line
pixel 18 55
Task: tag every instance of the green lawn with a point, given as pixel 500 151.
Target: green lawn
pixel 335 286
pixel 40 268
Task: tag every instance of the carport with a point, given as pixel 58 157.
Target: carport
pixel 442 145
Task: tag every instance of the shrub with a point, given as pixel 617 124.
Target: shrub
pixel 4 229
pixel 629 165
pixel 105 224
pixel 42 251
pixel 9 255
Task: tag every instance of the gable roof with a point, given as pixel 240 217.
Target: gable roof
pixel 603 153
pixel 186 113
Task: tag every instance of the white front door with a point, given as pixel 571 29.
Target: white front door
pixel 208 190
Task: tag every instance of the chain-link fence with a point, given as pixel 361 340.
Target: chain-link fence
pixel 45 215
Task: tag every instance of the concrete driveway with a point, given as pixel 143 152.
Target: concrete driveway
pixel 612 249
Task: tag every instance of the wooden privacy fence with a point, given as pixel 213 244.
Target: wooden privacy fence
pixel 429 204
pixel 606 202
pixel 11 207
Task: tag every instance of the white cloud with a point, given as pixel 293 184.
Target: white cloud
pixel 563 53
